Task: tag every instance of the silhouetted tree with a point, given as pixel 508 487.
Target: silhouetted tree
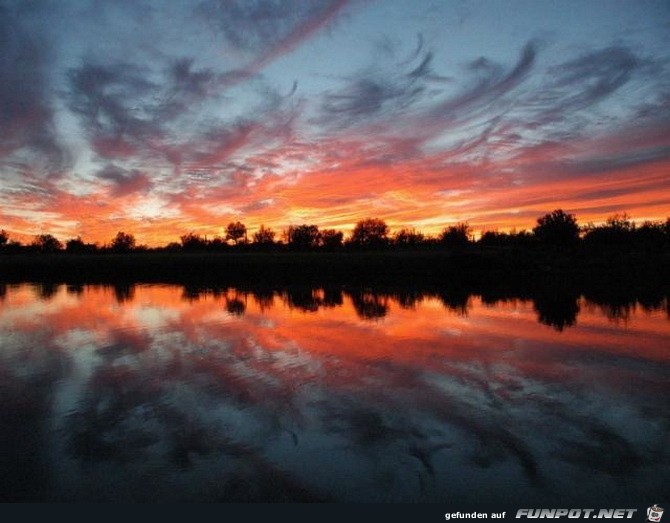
pixel 651 234
pixel 74 245
pixel 493 238
pixel 237 232
pixel 371 232
pixel 456 235
pixel 14 246
pixel 303 236
pixel 47 243
pixel 192 242
pixel 617 230
pixel 4 237
pixel 523 238
pixel 77 245
pixel 515 239
pixel 557 228
pixel 331 239
pixel 408 238
pixel 123 242
pixel 217 243
pixel 264 236
pixel 620 222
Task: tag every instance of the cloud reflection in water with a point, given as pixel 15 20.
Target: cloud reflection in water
pixel 162 392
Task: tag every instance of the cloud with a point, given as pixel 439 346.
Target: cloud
pixel 185 87
pixel 367 97
pixel 499 113
pixel 384 91
pixel 267 29
pixel 425 134
pixel 565 101
pixel 401 109
pixel 616 162
pixel 597 74
pixel 113 103
pixel 125 182
pixel 26 118
pixel 130 110
pixel 170 115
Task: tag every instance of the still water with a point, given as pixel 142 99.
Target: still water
pixel 157 392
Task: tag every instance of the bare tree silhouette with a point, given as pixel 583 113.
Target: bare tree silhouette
pixel 264 236
pixel 408 237
pixel 237 232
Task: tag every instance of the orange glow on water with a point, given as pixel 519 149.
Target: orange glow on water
pixel 272 380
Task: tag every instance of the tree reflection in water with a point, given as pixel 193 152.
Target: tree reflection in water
pixel 330 394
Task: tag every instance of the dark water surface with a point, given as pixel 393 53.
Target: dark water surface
pixel 157 392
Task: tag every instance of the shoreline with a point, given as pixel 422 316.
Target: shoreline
pixel 464 267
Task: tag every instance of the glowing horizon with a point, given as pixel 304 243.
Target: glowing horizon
pixel 160 120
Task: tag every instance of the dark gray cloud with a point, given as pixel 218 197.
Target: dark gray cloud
pixel 497 109
pixel 597 74
pixel 376 93
pixel 126 100
pixel 616 161
pixel 186 88
pixel 562 107
pixel 143 114
pixel 578 85
pixel 491 83
pixel 112 101
pixel 26 114
pixel 367 97
pixel 380 91
pixel 402 108
pixel 125 182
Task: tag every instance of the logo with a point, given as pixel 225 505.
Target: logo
pixel 654 513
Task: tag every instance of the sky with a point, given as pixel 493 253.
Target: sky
pixel 163 118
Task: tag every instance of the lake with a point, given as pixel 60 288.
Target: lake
pixel 165 392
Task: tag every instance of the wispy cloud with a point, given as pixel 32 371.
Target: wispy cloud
pixel 265 30
pixel 186 117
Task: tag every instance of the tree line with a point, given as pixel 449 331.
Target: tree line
pixel 557 229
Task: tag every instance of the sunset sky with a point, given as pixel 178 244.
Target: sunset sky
pixel 162 118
